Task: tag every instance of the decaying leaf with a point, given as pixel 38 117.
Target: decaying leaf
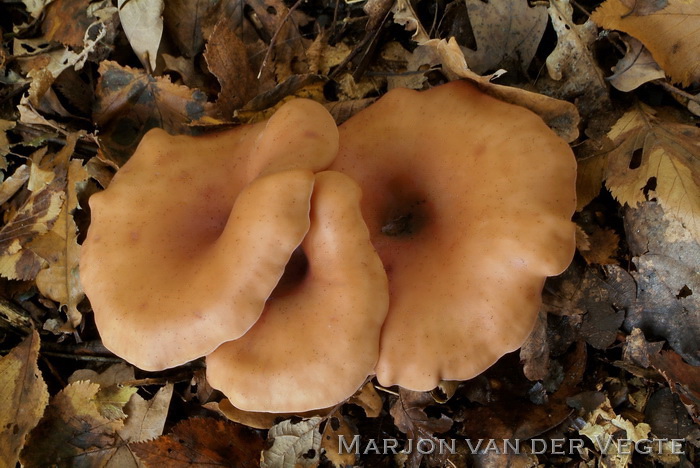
pixel 507 34
pixel 635 68
pixel 23 398
pixel 405 16
pixel 666 257
pixel 35 217
pixel 572 63
pixel 600 426
pixel 294 444
pixel 60 281
pixel 410 418
pixel 131 102
pixel 602 247
pixel 369 400
pixel 205 442
pixel 336 426
pixel 684 380
pixel 534 353
pixel 142 21
pixel 227 58
pixel 72 431
pixel 658 156
pixel 670 33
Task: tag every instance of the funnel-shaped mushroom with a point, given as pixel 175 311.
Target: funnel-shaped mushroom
pixel 468 201
pixel 316 343
pixel 190 239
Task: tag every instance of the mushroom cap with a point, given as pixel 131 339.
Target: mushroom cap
pixel 315 344
pixel 187 243
pixel 468 201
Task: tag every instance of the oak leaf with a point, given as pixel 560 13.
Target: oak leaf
pixel 672 33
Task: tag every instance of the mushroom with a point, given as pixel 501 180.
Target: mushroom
pixel 193 233
pixel 468 201
pixel 317 341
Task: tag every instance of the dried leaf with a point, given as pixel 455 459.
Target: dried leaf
pixel 36 217
pixel 23 397
pixel 66 22
pixel 406 16
pixel 5 126
pixel 227 59
pixel 330 442
pixel 561 116
pixel 635 68
pixel 603 245
pixel 142 21
pixel 572 62
pixel 130 102
pixel 204 442
pixel 59 247
pixel 410 418
pixel 72 431
pixel 684 380
pixel 294 444
pixel 12 184
pixel 186 21
pixel 666 257
pixel 658 150
pixel 507 34
pixel 671 34
pixel 369 400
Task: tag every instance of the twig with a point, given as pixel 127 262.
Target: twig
pixel 274 36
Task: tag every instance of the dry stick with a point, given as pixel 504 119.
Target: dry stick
pixel 672 89
pixel 274 36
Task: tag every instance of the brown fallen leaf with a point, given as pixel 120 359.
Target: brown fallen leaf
pixel 603 245
pixel 23 398
pixel 534 353
pixel 35 217
pixel 72 431
pixel 227 59
pixel 683 378
pixel 187 22
pixel 670 33
pixel 410 418
pixel 130 102
pixel 507 34
pixel 368 399
pixel 66 22
pixel 204 442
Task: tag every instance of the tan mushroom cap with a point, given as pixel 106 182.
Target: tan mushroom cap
pixel 314 346
pixel 185 248
pixel 468 201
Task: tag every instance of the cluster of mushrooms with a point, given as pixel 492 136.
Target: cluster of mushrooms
pixel 412 242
